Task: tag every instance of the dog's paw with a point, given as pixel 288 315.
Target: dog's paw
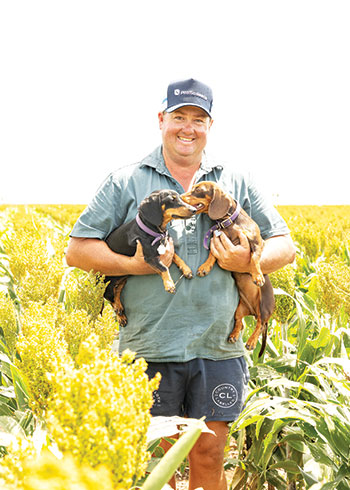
pixel 202 272
pixel 250 345
pixel 171 289
pixel 122 320
pixel 187 273
pixel 259 280
pixel 232 339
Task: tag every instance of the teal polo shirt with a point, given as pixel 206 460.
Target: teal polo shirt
pixel 195 321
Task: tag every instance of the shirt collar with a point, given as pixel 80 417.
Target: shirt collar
pixel 156 161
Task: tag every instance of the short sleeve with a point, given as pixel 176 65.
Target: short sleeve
pixel 101 216
pixel 265 214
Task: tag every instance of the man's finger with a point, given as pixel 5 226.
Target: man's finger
pixel 243 240
pixel 221 241
pixel 139 249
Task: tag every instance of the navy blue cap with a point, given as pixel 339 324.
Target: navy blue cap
pixel 188 92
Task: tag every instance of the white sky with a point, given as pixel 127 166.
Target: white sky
pixel 81 83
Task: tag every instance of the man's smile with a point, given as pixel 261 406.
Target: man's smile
pixel 185 140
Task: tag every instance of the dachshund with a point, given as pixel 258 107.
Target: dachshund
pixel 147 233
pixel 255 289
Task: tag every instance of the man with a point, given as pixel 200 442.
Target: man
pixel 184 335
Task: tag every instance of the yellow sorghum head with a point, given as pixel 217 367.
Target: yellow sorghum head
pixel 84 291
pixel 50 473
pixel 310 227
pixel 8 322
pixel 20 451
pixel 106 326
pixel 64 214
pixel 285 280
pixel 36 269
pixel 330 288
pixel 76 326
pixel 42 350
pixel 23 468
pixel 100 411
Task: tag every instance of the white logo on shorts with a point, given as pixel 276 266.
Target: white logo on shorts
pixel 225 395
pixel 156 399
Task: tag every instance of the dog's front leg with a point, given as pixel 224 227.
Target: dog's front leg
pixel 169 285
pixel 181 264
pixel 207 266
pixel 164 272
pixel 255 269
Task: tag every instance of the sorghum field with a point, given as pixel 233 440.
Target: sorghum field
pixel 74 415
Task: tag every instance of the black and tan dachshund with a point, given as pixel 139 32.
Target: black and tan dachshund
pixel 148 231
pixel 255 289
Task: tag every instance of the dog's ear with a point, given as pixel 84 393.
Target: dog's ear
pixel 220 204
pixel 150 209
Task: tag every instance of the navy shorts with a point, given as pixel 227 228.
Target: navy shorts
pixel 201 387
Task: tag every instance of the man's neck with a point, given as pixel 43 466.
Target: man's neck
pixel 184 171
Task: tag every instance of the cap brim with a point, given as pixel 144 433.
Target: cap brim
pixel 174 107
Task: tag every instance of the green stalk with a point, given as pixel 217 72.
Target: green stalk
pixel 167 466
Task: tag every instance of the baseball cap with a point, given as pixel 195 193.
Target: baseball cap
pixel 188 92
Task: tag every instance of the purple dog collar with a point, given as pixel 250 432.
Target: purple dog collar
pixel 221 224
pixel 157 236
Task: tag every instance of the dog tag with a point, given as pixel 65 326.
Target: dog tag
pixel 161 249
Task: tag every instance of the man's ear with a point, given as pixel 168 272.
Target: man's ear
pixel 219 206
pixel 160 119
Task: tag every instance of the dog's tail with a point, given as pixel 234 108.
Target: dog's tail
pixel 267 305
pixel 264 338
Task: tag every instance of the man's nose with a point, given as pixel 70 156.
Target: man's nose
pixel 187 126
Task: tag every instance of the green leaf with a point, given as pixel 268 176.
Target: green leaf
pixel 309 478
pixel 9 428
pixel 171 460
pixel 20 388
pixel 289 466
pixel 6 409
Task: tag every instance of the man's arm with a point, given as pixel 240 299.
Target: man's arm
pixel 278 252
pixel 92 254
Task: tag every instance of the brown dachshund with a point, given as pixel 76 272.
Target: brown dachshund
pixel 147 231
pixel 255 289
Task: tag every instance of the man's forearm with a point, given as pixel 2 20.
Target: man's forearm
pixel 92 254
pixel 278 252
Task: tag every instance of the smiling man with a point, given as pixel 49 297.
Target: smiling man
pixel 184 336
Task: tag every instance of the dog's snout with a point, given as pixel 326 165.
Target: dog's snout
pixel 188 206
pixel 191 208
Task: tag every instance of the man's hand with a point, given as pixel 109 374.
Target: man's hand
pixel 229 256
pixel 278 251
pixel 94 254
pixel 166 258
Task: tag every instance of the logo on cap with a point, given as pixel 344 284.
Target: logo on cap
pixel 176 91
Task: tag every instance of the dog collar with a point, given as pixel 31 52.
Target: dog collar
pixel 157 236
pixel 221 224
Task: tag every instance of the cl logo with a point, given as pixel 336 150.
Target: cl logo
pixel 225 395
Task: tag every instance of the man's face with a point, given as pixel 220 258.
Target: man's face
pixel 185 132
